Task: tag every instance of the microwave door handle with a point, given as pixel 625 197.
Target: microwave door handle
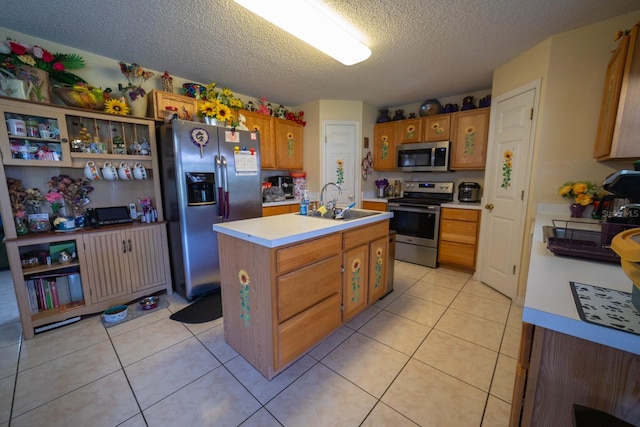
pixel 225 187
pixel 219 186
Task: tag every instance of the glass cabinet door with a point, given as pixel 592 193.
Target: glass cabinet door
pixel 33 135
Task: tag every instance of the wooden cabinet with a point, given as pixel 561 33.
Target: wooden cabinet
pixel 409 130
pixel 556 371
pixel 469 139
pixel 159 100
pixel 293 296
pixel 281 141
pixel 384 146
pixel 106 271
pixel 276 210
pixel 378 255
pixel 20 140
pixel 265 126
pixel 375 206
pixel 619 122
pixel 124 261
pixel 459 230
pixel 436 128
pixel 357 279
pixel 288 143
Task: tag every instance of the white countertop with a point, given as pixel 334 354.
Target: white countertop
pixel 462 205
pixel 549 302
pixel 278 230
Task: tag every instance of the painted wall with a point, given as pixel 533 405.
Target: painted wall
pixel 572 66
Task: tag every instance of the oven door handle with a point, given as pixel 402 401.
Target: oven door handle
pixel 413 208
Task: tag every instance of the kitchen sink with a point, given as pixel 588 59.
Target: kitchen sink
pixel 348 215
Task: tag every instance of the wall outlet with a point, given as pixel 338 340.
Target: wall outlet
pixel 133 213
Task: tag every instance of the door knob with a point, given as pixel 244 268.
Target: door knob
pixel 489 206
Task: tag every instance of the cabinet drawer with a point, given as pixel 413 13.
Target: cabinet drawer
pixel 457 253
pixel 459 231
pixel 300 333
pixel 375 206
pixel 276 210
pixel 365 234
pixel 294 257
pixel 460 214
pixel 301 289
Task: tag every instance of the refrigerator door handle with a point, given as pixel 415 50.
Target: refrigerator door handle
pixel 225 186
pixel 219 184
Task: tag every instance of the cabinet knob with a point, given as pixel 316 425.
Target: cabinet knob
pixel 124 247
pixel 129 245
pixel 489 206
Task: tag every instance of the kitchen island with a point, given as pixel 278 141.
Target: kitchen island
pixel 564 360
pixel 288 281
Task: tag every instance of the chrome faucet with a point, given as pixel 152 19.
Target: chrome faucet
pixel 323 190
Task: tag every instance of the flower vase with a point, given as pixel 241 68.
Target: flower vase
pixel 576 210
pixel 39 89
pixel 138 107
pixel 380 192
pixel 21 228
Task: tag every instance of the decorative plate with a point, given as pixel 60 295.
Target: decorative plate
pixel 430 107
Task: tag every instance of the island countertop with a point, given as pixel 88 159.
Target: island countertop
pixel 279 230
pixel 549 302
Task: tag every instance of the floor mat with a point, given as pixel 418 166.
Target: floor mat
pixel 134 311
pixel 205 309
pixel 606 307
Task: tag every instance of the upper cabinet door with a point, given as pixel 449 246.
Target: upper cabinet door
pixel 409 130
pixel 619 122
pixel 469 142
pixel 33 135
pixel 384 146
pixel 437 128
pixel 289 145
pixel 264 125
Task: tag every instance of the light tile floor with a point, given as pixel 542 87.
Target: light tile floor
pixel 439 351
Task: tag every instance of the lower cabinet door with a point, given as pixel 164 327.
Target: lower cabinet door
pixel 106 255
pixel 378 251
pixel 355 281
pixel 145 257
pixel 300 333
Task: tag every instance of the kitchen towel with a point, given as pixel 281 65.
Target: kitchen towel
pixel 606 307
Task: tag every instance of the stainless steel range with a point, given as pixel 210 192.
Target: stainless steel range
pixel 416 220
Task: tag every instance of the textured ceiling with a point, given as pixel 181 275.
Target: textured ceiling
pixel 421 48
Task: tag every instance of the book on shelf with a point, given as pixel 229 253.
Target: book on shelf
pixel 62 291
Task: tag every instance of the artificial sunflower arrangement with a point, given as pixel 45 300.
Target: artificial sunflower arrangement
pixel 581 192
pixel 215 109
pixel 14 54
pixel 225 103
pixel 116 106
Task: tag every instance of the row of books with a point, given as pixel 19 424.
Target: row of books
pixel 54 291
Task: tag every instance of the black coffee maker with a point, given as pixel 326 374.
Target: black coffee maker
pixel 624 184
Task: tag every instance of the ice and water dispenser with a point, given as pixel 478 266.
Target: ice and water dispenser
pixel 200 188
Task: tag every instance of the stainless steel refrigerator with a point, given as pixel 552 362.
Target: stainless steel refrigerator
pixel 209 175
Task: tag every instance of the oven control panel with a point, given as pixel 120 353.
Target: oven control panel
pixel 429 187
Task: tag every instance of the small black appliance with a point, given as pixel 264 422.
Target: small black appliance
pixel 469 192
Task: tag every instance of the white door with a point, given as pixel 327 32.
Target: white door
pixel 507 176
pixel 339 161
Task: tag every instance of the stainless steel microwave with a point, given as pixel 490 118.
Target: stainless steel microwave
pixel 424 157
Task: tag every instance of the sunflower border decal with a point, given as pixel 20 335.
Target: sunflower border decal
pixel 379 253
pixel 385 147
pixel 290 144
pixel 507 167
pixel 437 128
pixel 245 309
pixel 469 140
pixel 355 279
pixel 339 171
pixel 411 131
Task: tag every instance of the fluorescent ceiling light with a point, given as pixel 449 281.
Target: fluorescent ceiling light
pixel 313 23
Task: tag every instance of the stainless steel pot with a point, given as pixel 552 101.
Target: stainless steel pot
pixel 469 192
